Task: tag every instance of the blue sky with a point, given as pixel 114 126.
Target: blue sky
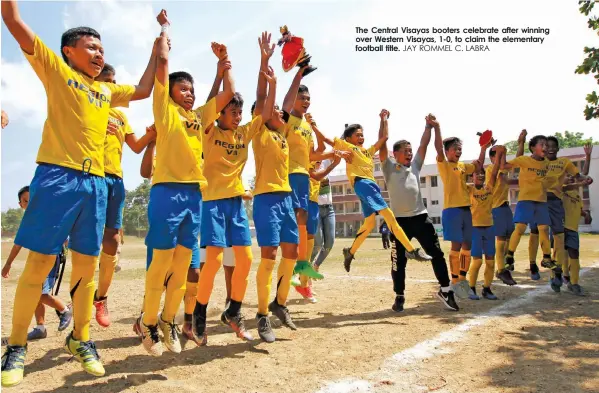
pixel 512 87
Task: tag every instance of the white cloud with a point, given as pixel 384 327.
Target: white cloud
pixel 23 95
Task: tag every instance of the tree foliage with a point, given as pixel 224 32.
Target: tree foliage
pixel 11 219
pixel 590 65
pixel 567 139
pixel 135 217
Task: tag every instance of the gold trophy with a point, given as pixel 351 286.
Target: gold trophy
pixel 293 52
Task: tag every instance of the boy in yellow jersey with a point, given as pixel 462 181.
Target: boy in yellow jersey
pixel 119 132
pixel 360 172
pixel 174 210
pixel 456 216
pixel 532 200
pixel 224 220
pixel 70 178
pixel 483 235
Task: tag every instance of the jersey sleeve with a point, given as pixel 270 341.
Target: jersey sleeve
pixel 44 61
pixel 207 113
pixel 120 95
pixel 127 126
pixel 341 144
pixel 571 168
pixel 469 168
pixel 372 150
pixel 517 162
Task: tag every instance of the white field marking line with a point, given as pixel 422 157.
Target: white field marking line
pixel 415 280
pixel 434 346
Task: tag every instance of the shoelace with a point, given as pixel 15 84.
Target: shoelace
pixel 174 330
pixel 267 322
pixel 10 357
pixel 154 333
pixel 239 320
pixel 88 347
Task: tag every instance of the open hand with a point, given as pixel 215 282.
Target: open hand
pixel 588 147
pixel 270 75
pixel 112 129
pixel 266 49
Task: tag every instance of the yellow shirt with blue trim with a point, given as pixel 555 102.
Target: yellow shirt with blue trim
pixel 501 188
pixel 573 208
pixel 78 106
pixel 225 155
pixel 314 187
pixel 113 145
pixel 362 164
pixel 556 174
pixel 481 205
pixel 531 179
pixel 455 190
pixel 298 133
pixel 271 155
pixel 179 138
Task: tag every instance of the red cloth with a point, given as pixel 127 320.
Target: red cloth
pixel 292 52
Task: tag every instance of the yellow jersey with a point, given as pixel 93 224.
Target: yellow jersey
pixel 271 154
pixel 573 208
pixel 78 106
pixel 314 187
pixel 556 173
pixel 501 189
pixel 362 164
pixel 481 206
pixel 531 179
pixel 455 190
pixel 225 155
pixel 298 133
pixel 179 138
pixel 113 144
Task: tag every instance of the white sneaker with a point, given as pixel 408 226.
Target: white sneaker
pixel 461 289
pixel 149 337
pixel 170 332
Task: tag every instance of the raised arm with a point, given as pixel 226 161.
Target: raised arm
pixel 162 49
pixel 322 173
pixel 319 135
pixel 588 151
pixel 266 51
pixel 499 162
pixel 384 134
pixel 218 79
pixel 439 142
pixel 426 136
pixel 480 162
pixel 521 143
pixel 225 96
pixel 15 25
pixel 272 94
pixel 137 145
pixel 292 93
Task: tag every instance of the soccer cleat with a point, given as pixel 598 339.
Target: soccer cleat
pixel 556 286
pixel 472 294
pixel 487 294
pixel 170 332
pixel 461 289
pixel 187 331
pixel 37 334
pixel 566 280
pixel 509 262
pixel 534 272
pixel 236 323
pixel 448 300
pixel 506 277
pixel 149 337
pixel 558 279
pixel 308 295
pixel 87 354
pixel 305 268
pixel 282 313
pixel 65 318
pixel 398 304
pixel 199 324
pixel 117 268
pixel 348 257
pixel 575 289
pixel 301 291
pixel 419 255
pixel 102 314
pixel 547 263
pixel 264 329
pixel 13 365
pixel 295 281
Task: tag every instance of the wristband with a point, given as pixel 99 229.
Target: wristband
pixel 164 28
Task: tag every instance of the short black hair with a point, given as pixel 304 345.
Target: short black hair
pixel 449 142
pixel 534 140
pixel 178 76
pixel 253 107
pixel 303 89
pixel 553 139
pixel 399 144
pixel 71 36
pixel 236 101
pixel 23 191
pixel 350 130
pixel 108 69
pixel 492 152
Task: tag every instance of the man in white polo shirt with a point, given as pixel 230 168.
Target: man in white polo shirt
pixel 402 175
pixel 325 234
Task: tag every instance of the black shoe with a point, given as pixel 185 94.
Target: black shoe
pixel 548 264
pixel 236 323
pixel 282 313
pixel 199 323
pixel 399 302
pixel 264 329
pixel 509 262
pixel 487 294
pixel 419 255
pixel 506 277
pixel 448 300
pixel 534 272
pixel 347 259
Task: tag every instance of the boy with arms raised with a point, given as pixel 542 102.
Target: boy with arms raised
pixel 70 177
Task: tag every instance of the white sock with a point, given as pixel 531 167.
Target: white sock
pixel 445 289
pixel 41 327
pixel 65 310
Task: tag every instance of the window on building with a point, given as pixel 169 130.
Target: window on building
pixel 433 202
pixel 382 185
pixel 338 208
pixel 423 182
pixel 377 167
pixel 433 181
pixel 356 208
pixel 339 228
pixel 424 200
pixel 348 189
pixel 436 220
pixel 585 192
pixel 337 190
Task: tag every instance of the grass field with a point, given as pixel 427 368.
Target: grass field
pixel 530 340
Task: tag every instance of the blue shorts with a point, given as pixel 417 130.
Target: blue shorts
pixel 51 279
pixel 532 213
pixel 572 241
pixel 313 211
pixel 503 221
pixel 116 201
pixel 63 203
pixel 225 223
pixel 457 224
pixel 370 196
pixel 195 257
pixel 174 215
pixel 300 190
pixel 275 223
pixel 483 242
pixel 557 214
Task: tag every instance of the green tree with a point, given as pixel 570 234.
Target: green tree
pixel 249 205
pixel 135 217
pixel 512 147
pixel 11 219
pixel 590 65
